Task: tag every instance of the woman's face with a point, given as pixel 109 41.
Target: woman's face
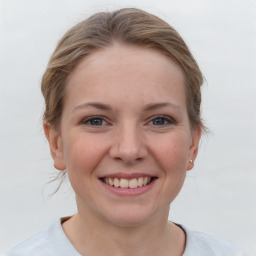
pixel 125 122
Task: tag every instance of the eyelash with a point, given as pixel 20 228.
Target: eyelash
pixel 165 119
pixel 93 118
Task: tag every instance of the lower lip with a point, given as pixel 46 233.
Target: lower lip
pixel 129 191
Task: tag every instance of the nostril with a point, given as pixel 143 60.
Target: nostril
pixel 128 146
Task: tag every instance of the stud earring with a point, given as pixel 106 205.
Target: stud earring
pixel 191 161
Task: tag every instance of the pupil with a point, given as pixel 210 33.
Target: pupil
pixel 96 122
pixel 158 121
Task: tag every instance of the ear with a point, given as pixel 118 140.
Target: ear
pixel 56 146
pixel 193 149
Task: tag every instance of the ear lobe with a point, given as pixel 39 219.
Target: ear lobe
pixel 193 149
pixel 56 146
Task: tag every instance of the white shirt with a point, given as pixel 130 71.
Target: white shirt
pixel 54 242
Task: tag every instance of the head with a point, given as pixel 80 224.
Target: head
pixel 128 27
pixel 122 95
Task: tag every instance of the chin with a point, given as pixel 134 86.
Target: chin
pixel 130 217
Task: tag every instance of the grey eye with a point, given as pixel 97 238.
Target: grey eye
pixel 161 121
pixel 95 121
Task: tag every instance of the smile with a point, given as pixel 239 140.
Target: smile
pixel 128 183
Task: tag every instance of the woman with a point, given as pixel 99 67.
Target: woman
pixel 122 117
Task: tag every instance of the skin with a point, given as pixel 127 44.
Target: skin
pixel 144 130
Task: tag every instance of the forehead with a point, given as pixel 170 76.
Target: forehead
pixel 128 70
pixel 122 55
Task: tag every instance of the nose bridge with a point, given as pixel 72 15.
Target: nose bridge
pixel 129 144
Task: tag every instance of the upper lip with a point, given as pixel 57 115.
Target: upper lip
pixel 122 175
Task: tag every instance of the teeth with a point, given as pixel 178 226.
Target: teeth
pixel 145 181
pixel 133 183
pixel 110 181
pixel 116 182
pixel 140 181
pixel 125 183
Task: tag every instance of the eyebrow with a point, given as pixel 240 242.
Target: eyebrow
pixel 153 106
pixel 97 105
pixel 148 107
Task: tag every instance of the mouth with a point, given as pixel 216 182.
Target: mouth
pixel 128 183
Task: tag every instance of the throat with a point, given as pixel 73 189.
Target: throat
pixel 144 240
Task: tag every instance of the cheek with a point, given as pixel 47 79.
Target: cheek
pixel 172 154
pixel 82 155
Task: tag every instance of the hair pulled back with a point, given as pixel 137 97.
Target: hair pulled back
pixel 127 26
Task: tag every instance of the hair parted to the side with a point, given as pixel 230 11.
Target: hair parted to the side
pixel 127 26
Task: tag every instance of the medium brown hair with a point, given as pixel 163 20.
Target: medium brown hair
pixel 127 26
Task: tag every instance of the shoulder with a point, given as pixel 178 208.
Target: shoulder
pixel 50 242
pixel 201 244
pixel 35 245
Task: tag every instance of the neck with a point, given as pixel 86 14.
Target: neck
pixel 98 236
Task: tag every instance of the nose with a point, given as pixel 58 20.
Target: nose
pixel 128 145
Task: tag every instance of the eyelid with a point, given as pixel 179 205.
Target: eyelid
pixel 169 119
pixel 85 121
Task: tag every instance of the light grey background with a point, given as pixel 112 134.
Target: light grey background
pixel 219 195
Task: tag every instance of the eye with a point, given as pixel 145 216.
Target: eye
pixel 94 121
pixel 161 121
